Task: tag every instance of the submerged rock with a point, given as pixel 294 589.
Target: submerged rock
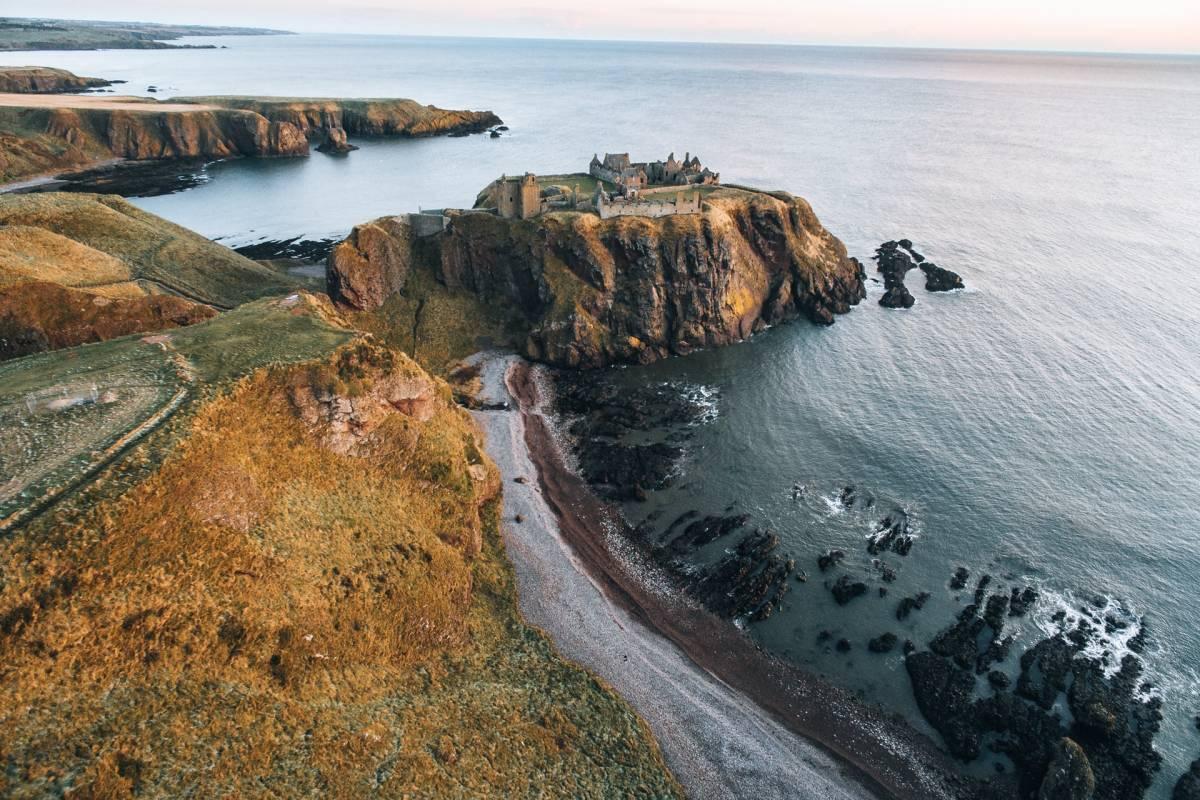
pixel 845 589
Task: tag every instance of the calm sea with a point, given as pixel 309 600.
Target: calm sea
pixel 1043 425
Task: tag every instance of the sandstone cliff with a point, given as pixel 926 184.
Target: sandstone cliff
pixel 316 117
pixel 42 137
pixel 45 80
pixel 593 292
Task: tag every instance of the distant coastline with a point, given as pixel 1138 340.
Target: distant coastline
pixel 27 33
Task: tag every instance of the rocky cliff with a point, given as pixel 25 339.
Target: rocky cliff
pixel 593 292
pixel 45 80
pixel 316 117
pixel 71 132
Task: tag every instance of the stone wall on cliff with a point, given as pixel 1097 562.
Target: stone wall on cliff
pixel 632 289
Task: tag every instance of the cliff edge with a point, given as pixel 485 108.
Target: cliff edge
pixel 586 292
pixel 44 134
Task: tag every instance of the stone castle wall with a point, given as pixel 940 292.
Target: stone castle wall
pixel 649 208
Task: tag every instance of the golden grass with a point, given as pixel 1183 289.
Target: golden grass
pixel 29 253
pixel 151 248
pixel 262 616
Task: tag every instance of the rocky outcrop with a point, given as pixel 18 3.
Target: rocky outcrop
pixel 316 117
pixel 336 142
pixel 43 138
pixel 895 259
pixel 1069 776
pixel 630 289
pixel 1188 785
pixel 346 401
pixel 45 80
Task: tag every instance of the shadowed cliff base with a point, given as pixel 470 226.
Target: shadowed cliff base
pixel 570 289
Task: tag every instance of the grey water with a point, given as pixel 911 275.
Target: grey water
pixel 1042 425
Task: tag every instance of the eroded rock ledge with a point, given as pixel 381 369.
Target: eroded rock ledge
pixel 46 80
pixel 593 292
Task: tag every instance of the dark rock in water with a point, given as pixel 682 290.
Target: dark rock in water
pixel 616 471
pixel 848 496
pixel 1044 670
pixel 999 680
pixel 495 134
pixel 897 297
pixel 910 604
pixel 844 590
pixel 1188 785
pixel 501 127
pixel 959 581
pixel 886 571
pixel 883 591
pixel 1069 775
pixel 884 643
pixel 940 280
pixel 311 251
pixel 830 559
pixel 944 695
pixel 1115 727
pixel 892 533
pixel 1021 601
pixel 843 645
pixel 909 648
pixel 824 636
pixel 1196 721
pixel 135 178
pixel 336 142
pixel 981 588
pixel 703 531
pixel 749 582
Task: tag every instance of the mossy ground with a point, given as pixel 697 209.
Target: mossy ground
pixel 234 610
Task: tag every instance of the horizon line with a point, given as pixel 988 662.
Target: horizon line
pixel 635 40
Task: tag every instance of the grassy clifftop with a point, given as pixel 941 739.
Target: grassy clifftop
pixel 307 596
pixel 105 244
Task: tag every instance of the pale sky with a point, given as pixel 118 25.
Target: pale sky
pixel 1171 26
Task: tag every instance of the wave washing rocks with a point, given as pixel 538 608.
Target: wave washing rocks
pixel 1074 719
pixel 895 259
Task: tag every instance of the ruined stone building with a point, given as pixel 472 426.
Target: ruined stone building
pixel 630 178
pixel 518 198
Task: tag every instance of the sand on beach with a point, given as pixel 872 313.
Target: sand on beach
pixel 718 742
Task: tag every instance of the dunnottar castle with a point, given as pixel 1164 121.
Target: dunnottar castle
pixel 621 188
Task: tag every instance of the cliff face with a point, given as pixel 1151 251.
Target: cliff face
pixel 43 136
pixel 379 117
pixel 45 80
pixel 596 292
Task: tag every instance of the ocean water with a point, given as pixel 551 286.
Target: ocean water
pixel 1042 426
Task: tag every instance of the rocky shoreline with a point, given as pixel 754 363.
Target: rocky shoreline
pixel 1062 710
pixel 897 761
